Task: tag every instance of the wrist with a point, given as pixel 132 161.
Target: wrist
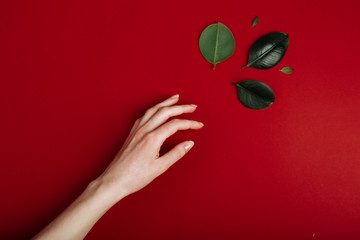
pixel 106 191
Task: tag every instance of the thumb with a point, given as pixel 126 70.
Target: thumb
pixel 171 157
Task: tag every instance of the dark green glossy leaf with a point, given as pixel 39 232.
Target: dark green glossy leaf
pixel 268 50
pixel 256 20
pixel 216 43
pixel 286 70
pixel 255 94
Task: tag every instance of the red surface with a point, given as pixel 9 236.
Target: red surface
pixel 75 75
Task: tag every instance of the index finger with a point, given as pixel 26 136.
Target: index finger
pixel 151 111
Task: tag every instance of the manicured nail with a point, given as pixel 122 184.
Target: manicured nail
pixel 175 96
pixel 189 145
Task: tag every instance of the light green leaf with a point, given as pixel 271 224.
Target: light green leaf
pixel 286 70
pixel 216 43
pixel 256 20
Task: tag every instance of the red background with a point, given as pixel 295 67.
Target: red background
pixel 76 74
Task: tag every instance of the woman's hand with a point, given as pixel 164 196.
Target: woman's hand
pixel 136 165
pixel 138 162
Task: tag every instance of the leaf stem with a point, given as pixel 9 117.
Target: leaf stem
pixel 216 43
pixel 243 67
pixel 214 66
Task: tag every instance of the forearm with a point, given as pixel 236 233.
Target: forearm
pixel 77 220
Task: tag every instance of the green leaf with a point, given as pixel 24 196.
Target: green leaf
pixel 256 20
pixel 216 43
pixel 268 50
pixel 286 70
pixel 255 94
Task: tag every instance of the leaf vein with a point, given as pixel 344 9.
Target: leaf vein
pixel 216 42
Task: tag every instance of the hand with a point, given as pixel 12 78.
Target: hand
pixel 138 162
pixel 136 165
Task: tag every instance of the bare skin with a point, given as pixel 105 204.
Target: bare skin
pixel 135 166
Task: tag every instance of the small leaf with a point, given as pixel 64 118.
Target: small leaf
pixel 256 20
pixel 268 50
pixel 286 70
pixel 216 43
pixel 254 94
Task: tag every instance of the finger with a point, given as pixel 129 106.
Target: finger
pixel 171 127
pixel 132 131
pixel 135 126
pixel 175 154
pixel 164 113
pixel 151 111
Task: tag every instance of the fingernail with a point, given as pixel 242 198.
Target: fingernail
pixel 189 145
pixel 201 124
pixel 175 96
pixel 193 105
